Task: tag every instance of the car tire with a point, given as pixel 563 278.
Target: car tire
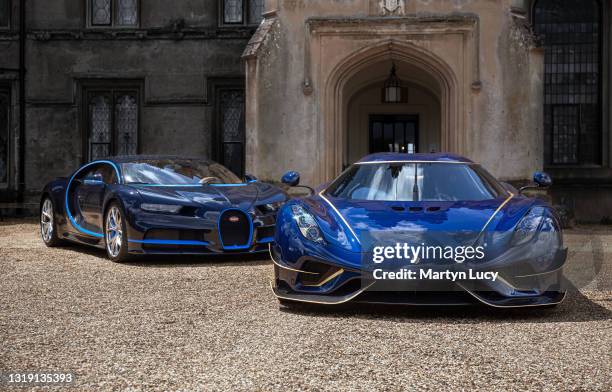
pixel 48 226
pixel 115 234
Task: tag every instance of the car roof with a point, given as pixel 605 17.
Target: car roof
pixel 140 158
pixel 402 157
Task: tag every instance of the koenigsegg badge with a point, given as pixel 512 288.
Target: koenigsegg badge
pixel 392 7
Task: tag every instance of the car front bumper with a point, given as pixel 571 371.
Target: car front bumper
pixel 150 233
pixel 518 284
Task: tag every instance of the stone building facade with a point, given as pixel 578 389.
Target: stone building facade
pixel 119 77
pixel 517 85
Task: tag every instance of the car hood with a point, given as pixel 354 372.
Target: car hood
pixel 373 220
pixel 242 196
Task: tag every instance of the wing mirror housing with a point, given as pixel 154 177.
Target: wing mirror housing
pixel 292 179
pixel 94 179
pixel 249 178
pixel 541 180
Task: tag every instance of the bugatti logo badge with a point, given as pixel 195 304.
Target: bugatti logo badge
pixel 234 219
pixel 392 7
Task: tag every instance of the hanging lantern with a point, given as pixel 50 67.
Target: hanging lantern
pixel 392 91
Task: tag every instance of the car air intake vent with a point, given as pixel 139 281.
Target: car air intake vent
pixel 265 232
pixel 433 209
pixel 189 211
pixel 177 235
pixel 235 230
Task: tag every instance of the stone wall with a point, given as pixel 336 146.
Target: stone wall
pixel 174 54
pixel 494 109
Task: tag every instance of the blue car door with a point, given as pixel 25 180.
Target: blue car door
pixel 90 194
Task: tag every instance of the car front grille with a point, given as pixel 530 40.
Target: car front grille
pixel 235 229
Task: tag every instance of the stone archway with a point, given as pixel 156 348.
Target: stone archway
pixel 413 123
pixel 336 94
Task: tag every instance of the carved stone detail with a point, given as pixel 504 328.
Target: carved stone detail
pixel 392 7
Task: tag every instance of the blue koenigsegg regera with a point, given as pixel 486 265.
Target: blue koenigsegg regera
pixel 324 244
pixel 159 205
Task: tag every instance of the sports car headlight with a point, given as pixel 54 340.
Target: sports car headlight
pixel 538 219
pixel 166 208
pixel 307 224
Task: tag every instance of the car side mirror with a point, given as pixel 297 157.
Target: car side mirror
pixel 248 178
pixel 291 178
pixel 510 188
pixel 541 180
pixel 94 179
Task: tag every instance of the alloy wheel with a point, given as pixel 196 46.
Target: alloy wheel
pixel 46 221
pixel 114 232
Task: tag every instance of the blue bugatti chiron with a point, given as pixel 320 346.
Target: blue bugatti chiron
pixel 325 244
pixel 159 205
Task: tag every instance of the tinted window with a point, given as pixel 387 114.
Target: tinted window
pixel 107 172
pixel 177 172
pixel 416 182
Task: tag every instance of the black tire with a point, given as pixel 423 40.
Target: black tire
pixel 115 234
pixel 48 224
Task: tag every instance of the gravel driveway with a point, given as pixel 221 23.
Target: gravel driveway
pixel 202 324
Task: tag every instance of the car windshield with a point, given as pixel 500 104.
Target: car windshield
pixel 416 182
pixel 177 172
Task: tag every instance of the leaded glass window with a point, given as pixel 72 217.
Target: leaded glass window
pixel 127 12
pixel 113 122
pixel 232 11
pixel 101 12
pixel 241 12
pixel 256 10
pixel 126 124
pixel 571 31
pixel 100 141
pixel 4 135
pixel 114 12
pixel 5 13
pixel 231 128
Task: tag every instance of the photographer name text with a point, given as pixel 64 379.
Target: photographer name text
pixel 430 274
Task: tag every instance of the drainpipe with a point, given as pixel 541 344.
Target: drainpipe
pixel 22 99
